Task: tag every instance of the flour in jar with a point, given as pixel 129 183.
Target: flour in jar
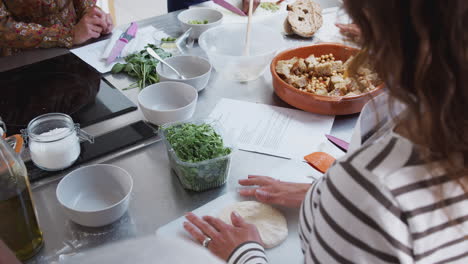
pixel 270 222
pixel 55 149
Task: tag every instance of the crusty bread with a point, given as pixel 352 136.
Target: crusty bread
pixel 287 27
pixel 304 18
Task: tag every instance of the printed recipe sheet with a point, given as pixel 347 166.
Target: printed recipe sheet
pixel 277 131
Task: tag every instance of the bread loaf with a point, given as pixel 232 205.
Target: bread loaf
pixel 304 18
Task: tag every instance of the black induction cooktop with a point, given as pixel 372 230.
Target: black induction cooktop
pixel 64 84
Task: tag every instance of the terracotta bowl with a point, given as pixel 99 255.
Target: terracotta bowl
pixel 320 104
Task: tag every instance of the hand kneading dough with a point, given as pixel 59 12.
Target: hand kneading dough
pixel 271 223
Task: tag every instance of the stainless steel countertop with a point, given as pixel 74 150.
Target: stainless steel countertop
pixel 158 197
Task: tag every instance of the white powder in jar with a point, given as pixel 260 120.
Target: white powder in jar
pixel 52 151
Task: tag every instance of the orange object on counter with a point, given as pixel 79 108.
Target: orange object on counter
pixel 16 142
pixel 321 161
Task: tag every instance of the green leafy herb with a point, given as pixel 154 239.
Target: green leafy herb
pixel 198 22
pixel 270 6
pixel 193 144
pixel 141 66
pixel 168 39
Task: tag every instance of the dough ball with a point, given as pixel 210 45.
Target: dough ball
pixel 270 222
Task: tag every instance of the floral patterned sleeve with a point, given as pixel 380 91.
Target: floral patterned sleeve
pixel 23 35
pixel 82 5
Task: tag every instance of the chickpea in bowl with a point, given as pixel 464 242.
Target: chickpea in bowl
pixel 325 75
pixel 320 83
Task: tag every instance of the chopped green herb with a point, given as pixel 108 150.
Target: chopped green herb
pixel 193 145
pixel 198 22
pixel 168 39
pixel 270 6
pixel 141 66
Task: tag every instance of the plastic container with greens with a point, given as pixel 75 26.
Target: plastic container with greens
pixel 198 153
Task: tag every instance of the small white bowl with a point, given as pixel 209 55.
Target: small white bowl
pixel 196 70
pixel 95 195
pixel 168 102
pixel 214 18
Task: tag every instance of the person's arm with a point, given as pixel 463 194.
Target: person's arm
pixel 21 35
pixel 15 34
pixel 82 5
pixel 6 255
pixel 248 253
pixel 239 243
pixel 349 216
pixel 272 191
pixel 246 6
pixel 351 31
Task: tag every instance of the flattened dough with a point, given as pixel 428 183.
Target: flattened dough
pixel 270 222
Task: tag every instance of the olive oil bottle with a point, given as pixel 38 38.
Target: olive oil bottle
pixel 19 228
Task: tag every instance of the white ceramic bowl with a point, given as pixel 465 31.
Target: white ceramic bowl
pixel 214 18
pixel 167 102
pixel 95 195
pixel 196 70
pixel 225 46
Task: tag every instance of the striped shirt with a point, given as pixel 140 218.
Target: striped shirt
pixel 380 204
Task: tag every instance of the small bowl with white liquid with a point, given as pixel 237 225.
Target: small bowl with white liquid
pixel 168 102
pixel 95 195
pixel 195 69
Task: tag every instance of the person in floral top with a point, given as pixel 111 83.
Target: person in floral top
pixel 29 24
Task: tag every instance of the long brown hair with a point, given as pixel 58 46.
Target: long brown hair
pixel 420 49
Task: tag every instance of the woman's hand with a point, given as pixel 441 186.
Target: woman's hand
pixel 246 3
pixel 93 23
pixel 349 30
pixel 224 238
pixel 110 24
pixel 272 191
pixel 6 255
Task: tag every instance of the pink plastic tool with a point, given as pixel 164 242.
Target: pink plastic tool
pixel 229 7
pixel 122 41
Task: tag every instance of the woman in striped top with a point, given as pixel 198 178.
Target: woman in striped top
pixel 402 197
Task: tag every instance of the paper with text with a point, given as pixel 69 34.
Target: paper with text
pixel 272 130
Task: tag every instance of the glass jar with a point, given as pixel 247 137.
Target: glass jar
pixel 54 141
pixel 19 228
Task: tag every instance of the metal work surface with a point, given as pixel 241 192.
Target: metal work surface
pixel 158 197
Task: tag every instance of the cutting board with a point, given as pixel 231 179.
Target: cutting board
pixel 288 252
